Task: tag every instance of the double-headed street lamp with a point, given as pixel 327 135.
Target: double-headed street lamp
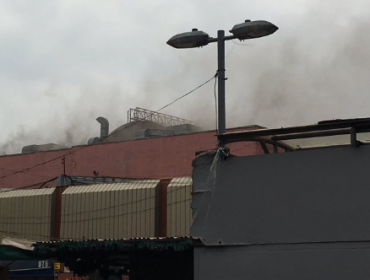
pixel 244 31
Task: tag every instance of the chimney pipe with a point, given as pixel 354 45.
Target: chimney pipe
pixel 104 127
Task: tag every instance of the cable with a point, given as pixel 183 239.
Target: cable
pixel 85 146
pixel 40 164
pixel 245 45
pixel 230 50
pixel 31 174
pixel 186 94
pixel 29 186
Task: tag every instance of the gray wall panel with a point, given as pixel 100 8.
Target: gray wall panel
pixel 305 196
pixel 288 263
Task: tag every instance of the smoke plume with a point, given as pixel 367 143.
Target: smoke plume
pixel 314 67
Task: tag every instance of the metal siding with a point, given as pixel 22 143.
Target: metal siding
pixel 173 207
pixel 4 210
pixel 1 216
pixel 90 195
pixel 9 210
pixel 189 213
pixel 179 210
pixel 45 214
pixel 15 217
pixel 111 207
pixel 172 212
pixel 103 221
pixel 82 214
pixel 32 216
pixel 142 211
pixel 117 216
pixel 183 210
pixel 106 213
pixel 169 212
pixel 39 230
pixel 42 214
pixel 115 210
pixel 96 212
pixel 26 214
pixel 77 223
pixel 148 217
pixel 71 217
pixel 103 213
pixel 23 211
pixel 63 217
pixel 98 215
pixel 89 208
pixel 138 209
pixel 132 209
pixel 126 222
pixel 116 213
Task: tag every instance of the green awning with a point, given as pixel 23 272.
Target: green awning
pixel 10 253
pixel 149 254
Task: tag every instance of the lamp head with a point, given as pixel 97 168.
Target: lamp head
pixel 191 39
pixel 253 29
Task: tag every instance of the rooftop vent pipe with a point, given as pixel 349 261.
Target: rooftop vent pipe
pixel 104 127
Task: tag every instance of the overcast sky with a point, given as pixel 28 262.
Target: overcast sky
pixel 64 63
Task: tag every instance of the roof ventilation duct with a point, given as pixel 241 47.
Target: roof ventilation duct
pixel 104 127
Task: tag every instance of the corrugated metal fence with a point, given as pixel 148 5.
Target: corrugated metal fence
pixel 179 213
pixel 100 211
pixel 110 211
pixel 27 213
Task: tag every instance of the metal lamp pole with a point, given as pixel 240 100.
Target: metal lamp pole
pixel 221 82
pixel 244 31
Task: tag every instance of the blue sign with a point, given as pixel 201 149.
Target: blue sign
pixel 29 268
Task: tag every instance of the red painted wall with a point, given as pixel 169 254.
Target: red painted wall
pixel 164 157
pixel 69 276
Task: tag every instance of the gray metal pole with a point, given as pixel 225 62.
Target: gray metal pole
pixel 221 82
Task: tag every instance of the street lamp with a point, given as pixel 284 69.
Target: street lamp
pixel 244 31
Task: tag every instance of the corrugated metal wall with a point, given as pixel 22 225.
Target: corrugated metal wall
pixel 27 213
pixel 116 210
pixel 179 212
pixel 110 211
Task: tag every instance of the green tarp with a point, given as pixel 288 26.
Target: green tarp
pixel 10 253
pixel 57 249
pixel 152 256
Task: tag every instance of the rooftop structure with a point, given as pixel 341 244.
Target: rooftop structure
pixel 140 114
pixel 325 133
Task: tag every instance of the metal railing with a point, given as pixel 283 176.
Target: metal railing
pixel 139 114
